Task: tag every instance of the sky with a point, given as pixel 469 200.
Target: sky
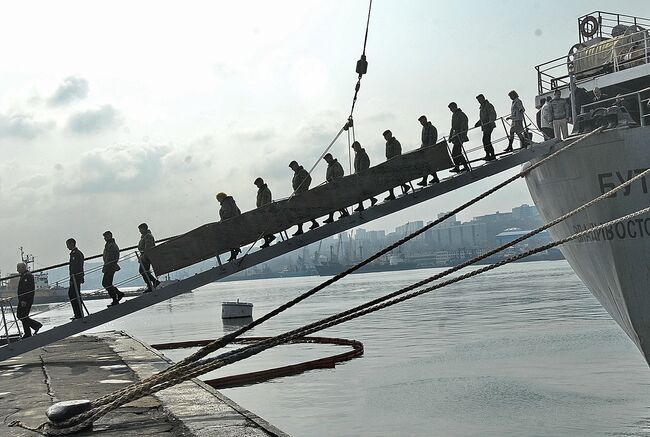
pixel 117 113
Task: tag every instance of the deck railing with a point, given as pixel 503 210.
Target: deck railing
pixel 630 48
pixel 633 102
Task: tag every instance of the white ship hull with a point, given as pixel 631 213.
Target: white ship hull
pixel 615 264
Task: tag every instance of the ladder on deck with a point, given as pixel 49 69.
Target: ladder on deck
pixel 221 271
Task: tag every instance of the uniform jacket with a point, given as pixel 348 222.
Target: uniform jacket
pixel 111 255
pixel 334 170
pixel 487 116
pixel 559 109
pixel 301 180
pixel 517 110
pixel 26 288
pixel 429 134
pixel 393 148
pixel 547 116
pixel 228 209
pixel 361 161
pixel 263 196
pixel 459 126
pixel 76 266
pixel 146 242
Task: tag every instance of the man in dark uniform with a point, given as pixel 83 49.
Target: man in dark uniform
pixel 300 183
pixel 264 197
pixel 76 270
pixel 111 255
pixel 458 136
pixel 25 300
pixel 393 149
pixel 334 171
pixel 228 210
pixel 147 242
pixel 429 138
pixel 486 120
pixel 361 163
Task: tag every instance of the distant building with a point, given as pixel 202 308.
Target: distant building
pixel 512 234
pixel 459 236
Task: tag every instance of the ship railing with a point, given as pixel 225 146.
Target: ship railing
pixel 637 104
pixel 556 73
pixel 606 24
pixel 9 321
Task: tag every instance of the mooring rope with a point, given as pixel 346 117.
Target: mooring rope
pixel 86 419
pixel 190 364
pixel 225 340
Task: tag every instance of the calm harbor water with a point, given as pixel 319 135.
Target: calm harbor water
pixel 524 350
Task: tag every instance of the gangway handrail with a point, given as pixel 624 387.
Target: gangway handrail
pixel 220 271
pixel 162 240
pixel 88 258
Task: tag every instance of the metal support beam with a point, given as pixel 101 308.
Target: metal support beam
pixel 200 279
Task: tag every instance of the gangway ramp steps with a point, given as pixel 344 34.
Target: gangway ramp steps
pixel 254 258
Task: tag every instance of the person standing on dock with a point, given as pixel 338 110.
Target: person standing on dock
pixel 300 184
pixel 393 149
pixel 228 210
pixel 361 163
pixel 486 120
pixel 111 255
pixel 76 270
pixel 517 117
pixel 26 290
pixel 458 136
pixel 560 113
pixel 334 171
pixel 146 243
pixel 264 197
pixel 429 138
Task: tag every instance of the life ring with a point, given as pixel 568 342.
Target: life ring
pixel 589 26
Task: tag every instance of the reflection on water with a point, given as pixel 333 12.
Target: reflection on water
pixel 231 325
pixel 524 350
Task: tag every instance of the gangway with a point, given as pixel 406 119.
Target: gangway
pixel 251 259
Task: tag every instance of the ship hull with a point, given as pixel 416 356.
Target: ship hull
pixel 613 264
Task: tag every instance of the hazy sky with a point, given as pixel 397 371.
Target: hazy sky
pixel 115 113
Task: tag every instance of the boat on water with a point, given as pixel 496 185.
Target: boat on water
pixel 44 291
pixel 612 54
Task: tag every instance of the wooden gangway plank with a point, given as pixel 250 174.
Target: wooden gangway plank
pixel 253 258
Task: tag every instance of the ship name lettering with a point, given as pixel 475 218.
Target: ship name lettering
pixel 634 228
pixel 607 181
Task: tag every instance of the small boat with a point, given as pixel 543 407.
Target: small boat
pixel 236 310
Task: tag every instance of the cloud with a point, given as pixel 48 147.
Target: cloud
pixel 94 120
pixel 255 135
pixel 114 169
pixel 73 88
pixel 23 126
pixel 380 117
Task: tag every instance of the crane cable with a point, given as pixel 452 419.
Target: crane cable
pixel 362 68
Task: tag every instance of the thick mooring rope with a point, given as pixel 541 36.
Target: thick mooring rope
pixel 219 343
pixel 84 420
pixel 190 367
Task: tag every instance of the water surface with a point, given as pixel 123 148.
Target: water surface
pixel 524 350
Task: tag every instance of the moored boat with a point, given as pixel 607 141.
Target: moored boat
pixel 612 55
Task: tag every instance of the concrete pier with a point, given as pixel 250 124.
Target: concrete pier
pixel 89 366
